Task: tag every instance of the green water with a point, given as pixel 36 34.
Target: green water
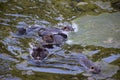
pixel 97 37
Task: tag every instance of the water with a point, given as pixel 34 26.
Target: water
pixel 63 64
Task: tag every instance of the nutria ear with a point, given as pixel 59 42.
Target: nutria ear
pixel 92 67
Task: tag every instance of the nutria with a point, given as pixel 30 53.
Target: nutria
pixel 54 30
pixel 39 53
pixel 39 29
pixel 55 39
pixel 68 28
pixel 89 66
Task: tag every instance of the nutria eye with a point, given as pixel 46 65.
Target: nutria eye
pixel 92 67
pixel 65 27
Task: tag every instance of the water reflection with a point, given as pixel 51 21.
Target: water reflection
pixel 5 68
pixel 7 57
pixel 111 58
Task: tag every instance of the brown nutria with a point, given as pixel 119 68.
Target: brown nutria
pixel 68 28
pixel 54 30
pixel 55 39
pixel 47 37
pixel 39 53
pixel 89 66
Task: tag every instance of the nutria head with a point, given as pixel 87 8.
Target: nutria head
pixel 94 69
pixel 48 38
pixel 89 65
pixel 68 28
pixel 39 53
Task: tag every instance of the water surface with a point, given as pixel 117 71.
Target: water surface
pixel 101 17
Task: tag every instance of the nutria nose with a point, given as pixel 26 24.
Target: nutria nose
pixel 38 58
pixel 97 71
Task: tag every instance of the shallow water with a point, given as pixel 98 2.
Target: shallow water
pixel 102 30
pixel 63 63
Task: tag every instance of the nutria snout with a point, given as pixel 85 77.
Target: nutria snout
pixel 94 69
